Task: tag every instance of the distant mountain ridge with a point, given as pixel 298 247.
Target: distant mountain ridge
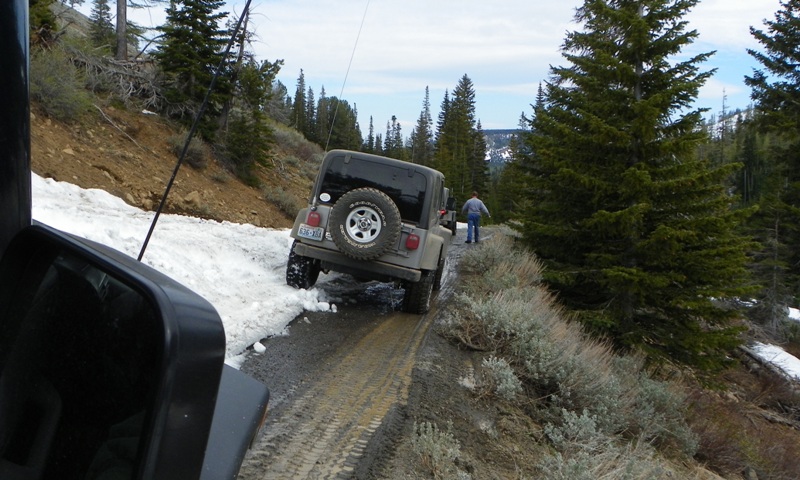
pixel 498 142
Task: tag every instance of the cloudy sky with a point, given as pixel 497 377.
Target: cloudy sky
pixel 381 54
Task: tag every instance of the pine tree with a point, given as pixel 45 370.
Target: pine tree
pixel 478 170
pixel 776 91
pixel 191 50
pixel 514 197
pixel 344 131
pixel 249 138
pixel 322 127
pixel 393 142
pixel 102 28
pixel 298 119
pixel 369 145
pixel 422 136
pixel 457 152
pixel 638 234
pixel 310 131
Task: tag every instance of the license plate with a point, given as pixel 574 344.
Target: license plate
pixel 311 233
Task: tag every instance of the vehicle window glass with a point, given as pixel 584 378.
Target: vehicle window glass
pixel 88 345
pixel 405 186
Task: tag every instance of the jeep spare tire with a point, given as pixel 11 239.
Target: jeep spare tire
pixel 364 223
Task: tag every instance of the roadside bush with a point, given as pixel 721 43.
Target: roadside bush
pixel 437 450
pixel 196 155
pixel 295 144
pixel 502 378
pixel 658 414
pixel 286 202
pixel 583 452
pixel 57 86
pixel 502 263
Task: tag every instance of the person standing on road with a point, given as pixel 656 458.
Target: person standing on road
pixel 473 208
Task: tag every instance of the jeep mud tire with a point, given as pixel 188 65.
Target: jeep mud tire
pixel 417 298
pixel 301 272
pixel 437 278
pixel 365 224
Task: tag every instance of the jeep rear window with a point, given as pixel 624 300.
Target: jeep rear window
pixel 404 185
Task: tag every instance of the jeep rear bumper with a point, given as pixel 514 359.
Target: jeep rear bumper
pixel 375 270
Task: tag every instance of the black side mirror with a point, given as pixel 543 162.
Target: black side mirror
pixel 108 368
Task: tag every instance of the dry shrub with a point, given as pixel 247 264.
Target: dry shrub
pixel 57 85
pixel 500 264
pixel 197 153
pixel 438 450
pixel 286 201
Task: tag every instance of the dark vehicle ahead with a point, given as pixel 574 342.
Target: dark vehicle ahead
pixel 108 369
pixel 376 218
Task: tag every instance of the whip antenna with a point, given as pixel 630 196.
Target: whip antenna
pixel 341 92
pixel 192 130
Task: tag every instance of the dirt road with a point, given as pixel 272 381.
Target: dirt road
pixel 337 382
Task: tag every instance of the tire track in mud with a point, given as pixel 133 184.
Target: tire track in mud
pixel 324 433
pixel 324 422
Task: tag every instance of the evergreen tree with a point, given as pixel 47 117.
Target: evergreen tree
pixel 249 138
pixel 310 132
pixel 191 50
pixel 457 152
pixel 388 146
pixel 513 196
pixel 344 132
pixel 299 120
pixel 421 139
pixel 393 142
pixel 369 144
pixel 321 124
pixel 637 233
pixel 478 170
pixel 776 91
pixel 102 28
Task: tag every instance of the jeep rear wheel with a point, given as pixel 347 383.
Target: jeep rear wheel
pixel 301 272
pixel 364 224
pixel 437 278
pixel 417 298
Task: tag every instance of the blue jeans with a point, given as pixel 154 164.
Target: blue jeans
pixel 473 223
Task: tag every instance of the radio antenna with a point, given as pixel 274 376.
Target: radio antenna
pixel 341 92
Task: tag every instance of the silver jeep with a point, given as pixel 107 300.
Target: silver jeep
pixel 375 218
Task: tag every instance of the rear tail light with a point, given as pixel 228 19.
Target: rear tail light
pixel 412 242
pixel 313 219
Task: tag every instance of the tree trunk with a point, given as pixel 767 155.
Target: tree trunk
pixel 122 30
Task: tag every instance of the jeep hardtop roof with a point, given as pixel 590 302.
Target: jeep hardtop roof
pixel 407 184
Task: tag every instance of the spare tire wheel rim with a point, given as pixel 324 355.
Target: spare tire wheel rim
pixel 363 224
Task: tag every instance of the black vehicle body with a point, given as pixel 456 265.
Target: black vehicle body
pixel 376 218
pixel 108 368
